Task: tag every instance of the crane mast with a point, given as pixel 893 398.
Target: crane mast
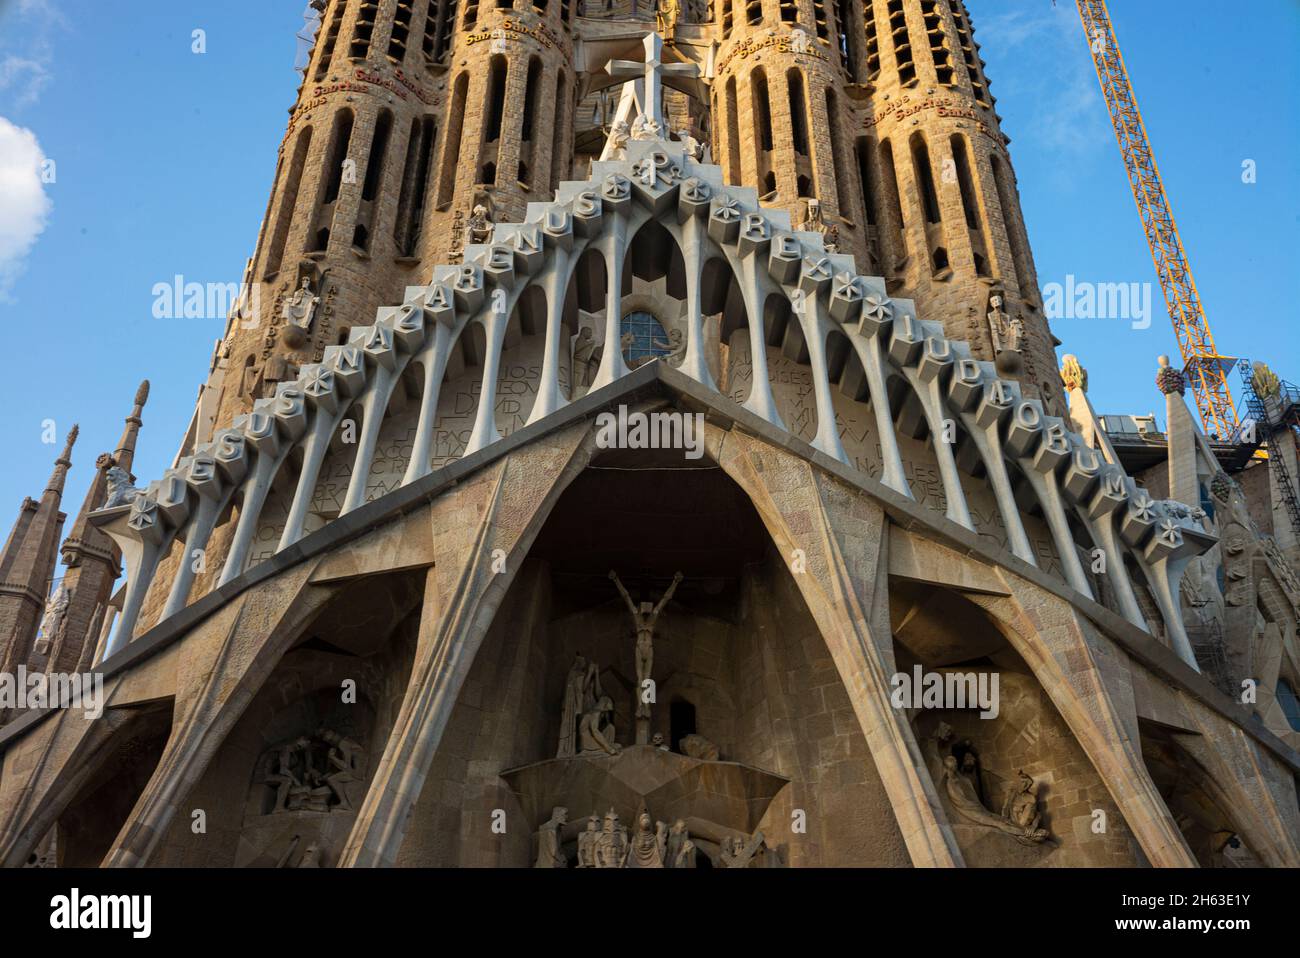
pixel 1206 370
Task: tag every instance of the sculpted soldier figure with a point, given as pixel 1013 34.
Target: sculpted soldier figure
pixel 611 846
pixel 548 840
pixel 344 764
pixel 587 843
pixel 284 778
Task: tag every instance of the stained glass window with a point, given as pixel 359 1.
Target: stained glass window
pixel 649 340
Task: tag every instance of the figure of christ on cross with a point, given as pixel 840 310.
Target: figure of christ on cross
pixel 643 619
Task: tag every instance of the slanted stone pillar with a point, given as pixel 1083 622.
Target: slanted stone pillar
pixel 1089 682
pixel 1180 427
pixel 840 537
pixel 1083 418
pixel 490 523
pixel 221 667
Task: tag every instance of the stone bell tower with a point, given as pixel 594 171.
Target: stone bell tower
pixel 872 121
pixel 419 123
pixel 411 114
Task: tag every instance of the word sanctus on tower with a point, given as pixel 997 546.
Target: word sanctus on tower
pixel 640 443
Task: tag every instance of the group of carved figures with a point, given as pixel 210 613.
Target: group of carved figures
pixel 651 844
pixel 302 786
pixel 587 713
pixel 1020 816
pixel 645 127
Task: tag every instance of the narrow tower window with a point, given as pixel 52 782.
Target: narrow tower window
pixel 762 113
pixel 846 39
pixel 798 111
pixel 979 240
pixel 733 132
pixel 374 179
pixel 471 14
pixel 409 224
pixel 902 42
pixel 526 147
pixel 397 40
pixel 869 186
pixel 496 101
pixel 892 202
pixel 938 42
pixel 326 55
pixel 833 124
pixel 925 179
pixel 340 140
pixel 970 54
pixel 364 31
pixel 559 156
pixel 819 18
pixel 437 29
pixel 1009 203
pixel 288 202
pixel 451 144
pixel 873 38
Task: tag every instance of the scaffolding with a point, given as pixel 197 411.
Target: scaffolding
pixel 1271 415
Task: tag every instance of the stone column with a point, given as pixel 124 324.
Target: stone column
pixel 1087 680
pixel 1181 428
pixel 490 522
pixel 222 665
pixel 840 535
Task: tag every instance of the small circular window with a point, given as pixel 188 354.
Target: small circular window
pixel 643 339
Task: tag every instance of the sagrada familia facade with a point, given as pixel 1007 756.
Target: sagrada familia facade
pixel 862 578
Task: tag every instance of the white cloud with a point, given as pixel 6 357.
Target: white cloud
pixel 25 76
pixel 27 29
pixel 24 207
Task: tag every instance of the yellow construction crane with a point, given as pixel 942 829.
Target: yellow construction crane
pixel 1206 370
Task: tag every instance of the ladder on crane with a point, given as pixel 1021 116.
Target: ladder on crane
pixel 1205 368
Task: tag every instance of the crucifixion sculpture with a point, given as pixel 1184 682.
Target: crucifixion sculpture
pixel 644 617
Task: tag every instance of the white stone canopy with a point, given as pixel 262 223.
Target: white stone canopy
pixel 839 314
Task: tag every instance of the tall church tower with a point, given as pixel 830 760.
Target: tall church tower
pixel 874 117
pixel 93 561
pixel 420 121
pixel 411 114
pixel 27 565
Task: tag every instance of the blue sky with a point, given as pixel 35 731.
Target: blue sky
pixel 164 158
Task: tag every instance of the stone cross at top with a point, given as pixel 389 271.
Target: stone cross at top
pixel 643 93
